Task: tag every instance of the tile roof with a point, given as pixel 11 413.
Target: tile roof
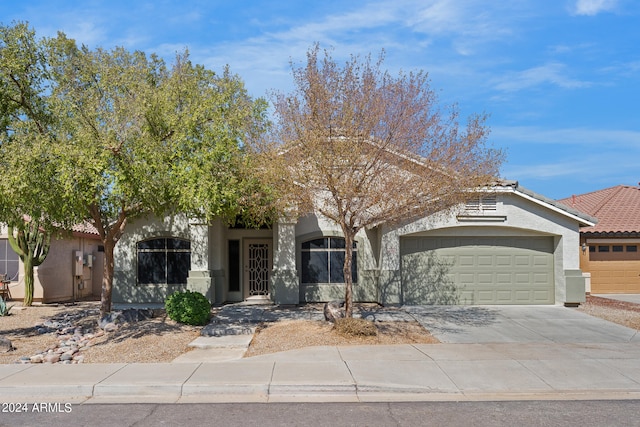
pixel 85 228
pixel 616 208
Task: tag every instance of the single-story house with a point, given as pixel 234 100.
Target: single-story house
pixel 508 246
pixel 71 271
pixel 609 249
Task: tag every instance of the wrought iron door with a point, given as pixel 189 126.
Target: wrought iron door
pixel 257 267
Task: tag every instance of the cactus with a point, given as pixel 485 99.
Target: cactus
pixel 32 246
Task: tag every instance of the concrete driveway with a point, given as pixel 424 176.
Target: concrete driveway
pixel 518 324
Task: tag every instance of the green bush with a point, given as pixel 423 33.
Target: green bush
pixel 188 307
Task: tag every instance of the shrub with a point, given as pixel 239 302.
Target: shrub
pixel 191 308
pixel 350 326
pixel 4 308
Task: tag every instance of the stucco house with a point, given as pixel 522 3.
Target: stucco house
pixel 509 246
pixel 71 271
pixel 609 249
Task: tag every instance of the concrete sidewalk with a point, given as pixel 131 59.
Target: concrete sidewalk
pixel 486 353
pixel 425 372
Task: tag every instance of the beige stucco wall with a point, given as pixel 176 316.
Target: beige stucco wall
pixel 55 280
pixel 515 215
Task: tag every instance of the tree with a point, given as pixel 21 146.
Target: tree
pixel 365 149
pixel 145 139
pixel 27 127
pixel 131 137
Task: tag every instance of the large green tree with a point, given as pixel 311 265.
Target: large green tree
pixel 27 127
pixel 135 137
pixel 365 148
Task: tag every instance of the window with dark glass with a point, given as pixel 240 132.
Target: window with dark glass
pixel 323 261
pixel 617 248
pixel 603 248
pixel 9 261
pixel 164 260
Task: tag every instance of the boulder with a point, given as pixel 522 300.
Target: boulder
pixel 5 345
pixel 333 310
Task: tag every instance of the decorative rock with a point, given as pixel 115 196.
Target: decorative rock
pixel 38 358
pixel 110 327
pixel 333 310
pixel 5 344
pixel 66 356
pixel 52 358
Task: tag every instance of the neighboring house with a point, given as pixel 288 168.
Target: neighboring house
pixel 71 271
pixel 610 249
pixel 510 246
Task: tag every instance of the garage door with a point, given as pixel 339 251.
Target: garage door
pixel 615 277
pixel 477 270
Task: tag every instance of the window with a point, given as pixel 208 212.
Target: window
pixel 617 248
pixel 632 248
pixel 234 265
pixel 9 261
pixel 323 261
pixel 164 261
pixel 592 248
pixel 603 248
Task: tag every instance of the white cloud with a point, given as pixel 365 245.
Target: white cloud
pixel 593 7
pixel 552 73
pixel 621 138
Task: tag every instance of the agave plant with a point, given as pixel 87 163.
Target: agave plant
pixel 4 308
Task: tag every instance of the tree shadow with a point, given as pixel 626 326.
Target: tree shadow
pixel 426 280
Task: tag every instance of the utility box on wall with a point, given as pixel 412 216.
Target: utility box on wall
pixel 78 264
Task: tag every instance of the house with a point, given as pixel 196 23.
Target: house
pixel 509 246
pixel 610 248
pixel 71 271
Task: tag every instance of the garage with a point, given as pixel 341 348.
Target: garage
pixel 477 270
pixel 614 267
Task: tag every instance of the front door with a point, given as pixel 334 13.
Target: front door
pixel 257 268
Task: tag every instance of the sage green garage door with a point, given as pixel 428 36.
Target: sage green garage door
pixel 477 270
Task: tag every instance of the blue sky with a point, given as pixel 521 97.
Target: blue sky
pixel 560 79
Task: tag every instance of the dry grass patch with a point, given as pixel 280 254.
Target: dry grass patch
pixel 294 334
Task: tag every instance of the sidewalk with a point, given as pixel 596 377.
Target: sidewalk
pixel 521 353
pixel 425 372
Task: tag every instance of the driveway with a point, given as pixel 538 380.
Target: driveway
pixel 518 324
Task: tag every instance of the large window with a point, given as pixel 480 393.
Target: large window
pixel 323 261
pixel 164 261
pixel 9 261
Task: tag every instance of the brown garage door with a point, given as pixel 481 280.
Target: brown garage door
pixel 615 269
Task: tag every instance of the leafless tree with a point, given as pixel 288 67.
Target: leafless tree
pixel 365 148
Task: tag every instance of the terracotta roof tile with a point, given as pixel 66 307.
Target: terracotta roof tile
pixel 616 208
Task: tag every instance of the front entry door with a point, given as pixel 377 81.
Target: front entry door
pixel 257 268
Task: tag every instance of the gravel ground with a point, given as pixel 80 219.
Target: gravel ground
pixel 160 339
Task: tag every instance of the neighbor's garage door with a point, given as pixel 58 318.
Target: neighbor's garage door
pixel 477 270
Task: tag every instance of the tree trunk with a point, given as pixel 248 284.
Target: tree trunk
pixel 348 278
pixel 27 260
pixel 107 279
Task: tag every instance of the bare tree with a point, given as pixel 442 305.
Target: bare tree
pixel 365 148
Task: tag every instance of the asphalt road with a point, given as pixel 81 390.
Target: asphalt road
pixel 511 413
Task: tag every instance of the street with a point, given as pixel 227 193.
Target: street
pixel 507 413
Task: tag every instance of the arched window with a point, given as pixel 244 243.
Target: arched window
pixel 323 261
pixel 164 260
